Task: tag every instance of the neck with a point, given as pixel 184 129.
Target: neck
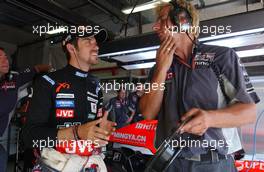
pixel 78 64
pixel 185 49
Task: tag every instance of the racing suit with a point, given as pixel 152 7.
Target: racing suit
pixel 62 99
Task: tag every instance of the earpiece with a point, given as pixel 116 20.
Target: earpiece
pixel 183 22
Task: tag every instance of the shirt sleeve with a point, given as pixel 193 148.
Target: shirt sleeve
pixel 25 76
pixel 37 127
pixel 236 81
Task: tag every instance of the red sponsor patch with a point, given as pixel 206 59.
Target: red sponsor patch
pixel 64 113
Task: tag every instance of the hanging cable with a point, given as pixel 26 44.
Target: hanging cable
pixel 125 25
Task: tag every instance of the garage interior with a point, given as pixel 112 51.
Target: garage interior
pixel 129 52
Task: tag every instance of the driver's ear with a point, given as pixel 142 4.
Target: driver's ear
pixel 70 48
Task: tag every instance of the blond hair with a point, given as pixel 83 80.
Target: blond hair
pixel 190 8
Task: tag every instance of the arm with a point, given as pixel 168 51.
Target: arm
pixel 37 126
pixel 236 115
pixel 150 103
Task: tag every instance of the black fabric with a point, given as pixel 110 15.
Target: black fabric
pixel 62 99
pixel 8 93
pixel 183 165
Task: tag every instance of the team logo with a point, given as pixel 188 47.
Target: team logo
pixel 63 85
pixel 204 59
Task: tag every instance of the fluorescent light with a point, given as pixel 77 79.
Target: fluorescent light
pixel 251 53
pixel 239 41
pixel 145 6
pixel 245 32
pixel 139 66
pixel 61 29
pixel 129 51
pixel 136 57
pixel 250 64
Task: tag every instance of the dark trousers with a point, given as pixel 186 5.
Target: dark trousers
pixel 3 159
pixel 183 165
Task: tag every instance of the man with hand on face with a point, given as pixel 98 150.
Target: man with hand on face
pixel 204 82
pixel 67 104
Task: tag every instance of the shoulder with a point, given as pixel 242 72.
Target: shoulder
pixel 222 55
pixel 52 77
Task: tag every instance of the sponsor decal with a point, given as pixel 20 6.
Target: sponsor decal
pixel 92 94
pixel 64 96
pixel 49 79
pixel 140 134
pixel 144 126
pixel 65 103
pixel 64 113
pixel 243 166
pixel 91 116
pixel 68 124
pixel 8 85
pixel 83 75
pixel 92 99
pixel 93 107
pixel 63 85
pixel 204 59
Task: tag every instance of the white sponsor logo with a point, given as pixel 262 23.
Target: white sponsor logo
pixel 145 126
pixel 92 99
pixel 64 96
pixel 91 94
pixel 93 107
pixel 91 116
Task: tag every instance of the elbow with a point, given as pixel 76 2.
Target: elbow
pixel 252 110
pixel 254 113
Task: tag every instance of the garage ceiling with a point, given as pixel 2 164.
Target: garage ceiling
pixel 22 14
